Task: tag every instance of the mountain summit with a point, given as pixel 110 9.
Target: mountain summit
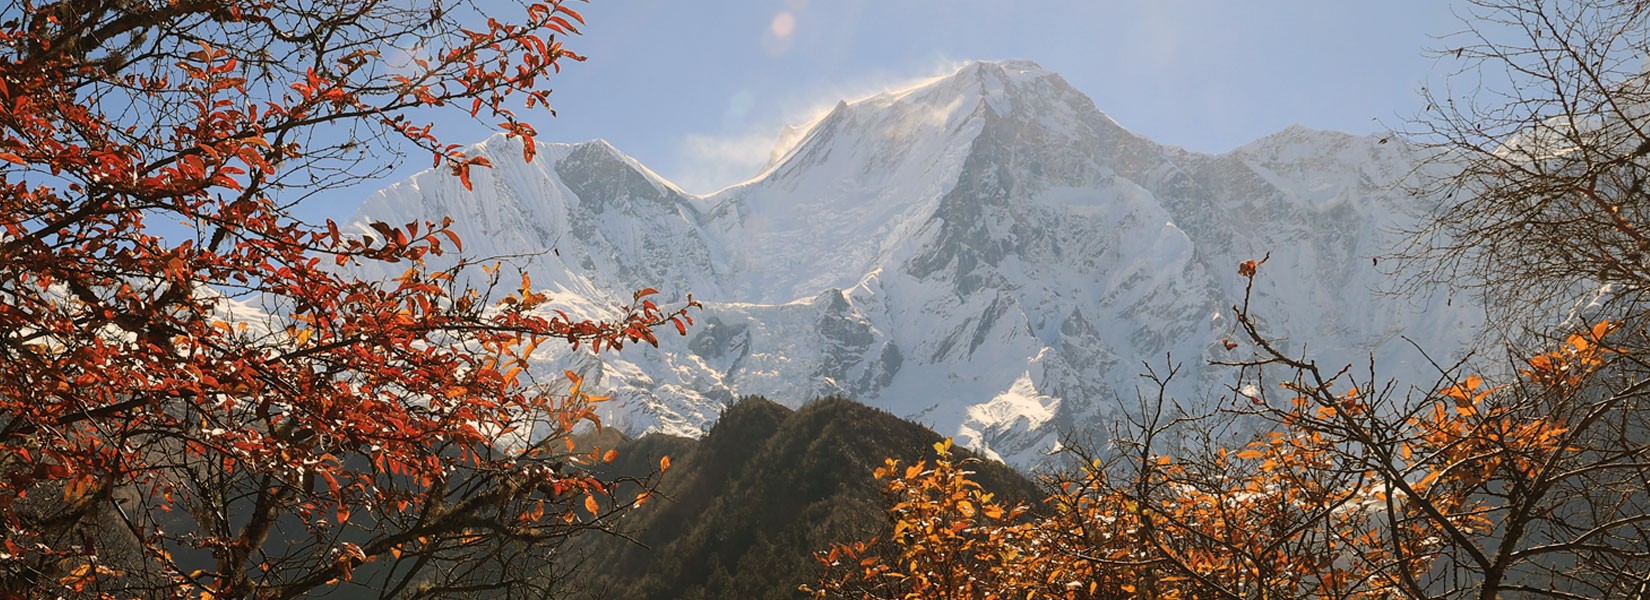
pixel 986 253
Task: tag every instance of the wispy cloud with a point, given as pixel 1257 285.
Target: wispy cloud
pixel 709 162
pixel 819 98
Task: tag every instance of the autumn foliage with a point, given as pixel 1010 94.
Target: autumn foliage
pixel 1348 491
pixel 224 410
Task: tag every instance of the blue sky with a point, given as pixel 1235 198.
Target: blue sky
pixel 699 90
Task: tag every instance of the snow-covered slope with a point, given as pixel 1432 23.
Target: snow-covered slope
pixel 986 253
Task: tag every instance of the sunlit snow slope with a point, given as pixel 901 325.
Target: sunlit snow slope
pixel 986 253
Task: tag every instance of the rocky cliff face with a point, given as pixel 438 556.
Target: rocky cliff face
pixel 986 253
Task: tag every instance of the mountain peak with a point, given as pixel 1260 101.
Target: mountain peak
pixel 1019 64
pixel 1009 255
pixel 942 103
pixel 988 79
pixel 1014 67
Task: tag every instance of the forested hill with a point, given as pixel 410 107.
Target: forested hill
pixel 746 505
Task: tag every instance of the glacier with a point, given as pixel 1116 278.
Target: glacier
pixel 986 253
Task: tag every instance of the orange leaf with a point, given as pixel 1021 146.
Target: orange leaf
pixel 457 243
pixel 1602 329
pixel 570 12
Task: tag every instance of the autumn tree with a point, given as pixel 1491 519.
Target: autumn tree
pixel 1531 486
pixel 1543 145
pixel 1528 483
pixel 224 410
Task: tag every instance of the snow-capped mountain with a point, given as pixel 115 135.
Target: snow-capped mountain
pixel 986 253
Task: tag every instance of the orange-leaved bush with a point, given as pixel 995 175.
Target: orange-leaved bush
pixel 949 539
pixel 225 410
